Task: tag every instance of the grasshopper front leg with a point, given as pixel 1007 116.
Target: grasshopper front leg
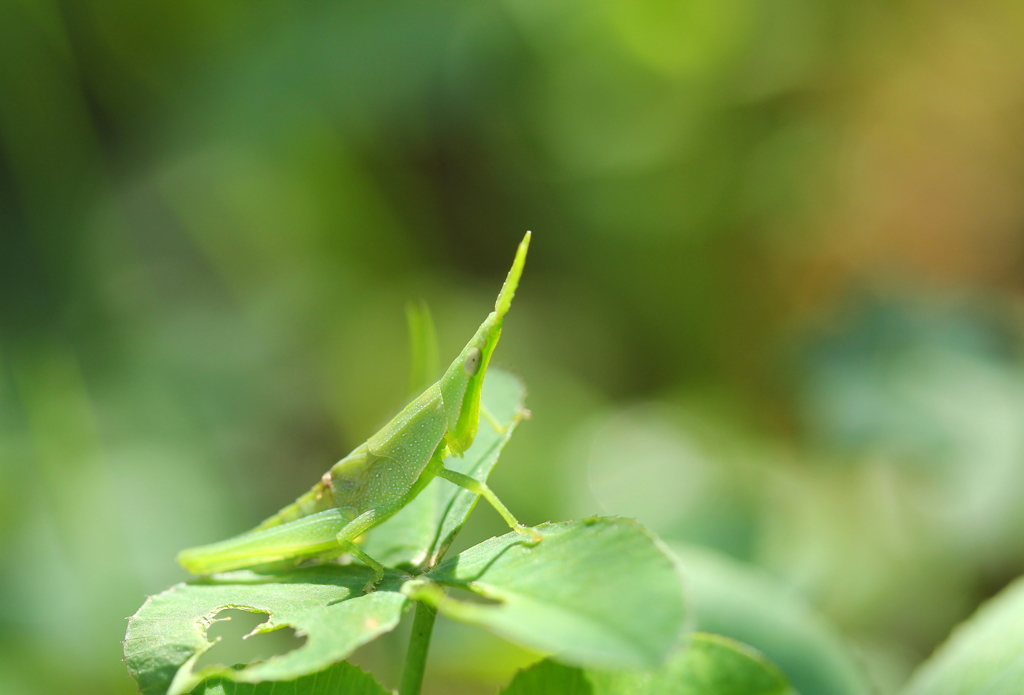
pixel 482 489
pixel 378 569
pixel 346 537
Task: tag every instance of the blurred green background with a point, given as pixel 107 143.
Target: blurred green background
pixel 774 305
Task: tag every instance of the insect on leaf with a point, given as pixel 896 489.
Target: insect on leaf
pixel 380 477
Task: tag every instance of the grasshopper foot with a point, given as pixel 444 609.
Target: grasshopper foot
pixel 378 577
pixel 534 535
pixel 378 569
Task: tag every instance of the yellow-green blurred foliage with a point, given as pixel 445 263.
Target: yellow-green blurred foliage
pixel 773 304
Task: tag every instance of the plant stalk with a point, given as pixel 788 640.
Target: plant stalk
pixel 419 645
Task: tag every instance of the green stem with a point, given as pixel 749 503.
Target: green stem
pixel 419 645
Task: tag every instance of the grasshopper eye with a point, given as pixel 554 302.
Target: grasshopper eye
pixel 472 363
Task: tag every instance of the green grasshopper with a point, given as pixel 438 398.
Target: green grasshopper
pixel 382 475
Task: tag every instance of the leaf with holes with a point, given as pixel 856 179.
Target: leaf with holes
pixel 325 604
pixel 707 665
pixel 418 536
pixel 340 679
pixel 599 592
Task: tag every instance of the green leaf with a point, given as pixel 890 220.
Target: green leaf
pixel 550 678
pixel 742 602
pixel 419 535
pixel 324 603
pixel 340 679
pixel 707 665
pixel 599 592
pixel 984 655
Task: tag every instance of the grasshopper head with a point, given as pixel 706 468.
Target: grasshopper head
pixel 461 384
